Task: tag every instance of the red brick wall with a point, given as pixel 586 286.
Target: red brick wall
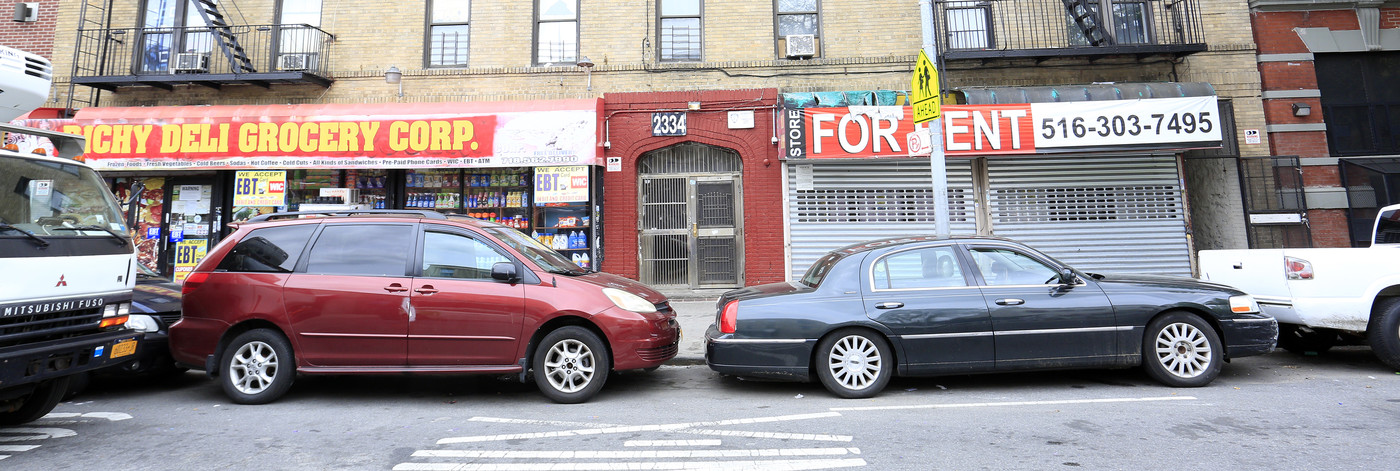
pixel 1273 31
pixel 32 37
pixel 1329 227
pixel 1302 144
pixel 629 132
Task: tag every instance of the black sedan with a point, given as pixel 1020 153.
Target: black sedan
pixel 924 306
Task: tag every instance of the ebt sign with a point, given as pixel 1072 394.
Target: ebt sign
pixel 1023 128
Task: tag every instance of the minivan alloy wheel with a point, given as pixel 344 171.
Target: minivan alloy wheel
pixel 253 367
pixel 569 365
pixel 1183 350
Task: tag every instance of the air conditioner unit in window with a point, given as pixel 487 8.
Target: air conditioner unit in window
pixel 190 62
pixel 296 61
pixel 800 45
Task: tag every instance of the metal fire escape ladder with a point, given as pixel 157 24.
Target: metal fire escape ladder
pixel 89 53
pixel 1088 21
pixel 223 35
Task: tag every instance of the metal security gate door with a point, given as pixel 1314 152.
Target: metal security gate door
pixel 691 217
pixel 1122 213
pixel 690 234
pixel 834 204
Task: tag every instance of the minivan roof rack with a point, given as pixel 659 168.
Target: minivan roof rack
pixel 425 214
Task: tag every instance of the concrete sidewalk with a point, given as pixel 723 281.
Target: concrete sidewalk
pixel 695 316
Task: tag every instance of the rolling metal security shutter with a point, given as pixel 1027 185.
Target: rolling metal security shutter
pixel 834 204
pixel 1122 214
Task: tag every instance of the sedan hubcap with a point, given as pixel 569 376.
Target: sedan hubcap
pixel 855 362
pixel 569 366
pixel 253 367
pixel 1183 350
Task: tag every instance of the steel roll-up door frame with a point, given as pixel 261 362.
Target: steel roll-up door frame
pixel 837 203
pixel 1120 213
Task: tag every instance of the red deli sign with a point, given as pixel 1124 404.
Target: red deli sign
pixel 1023 128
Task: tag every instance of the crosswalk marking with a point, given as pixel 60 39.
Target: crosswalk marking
pixel 775 465
pixel 625 429
pixel 640 443
pixel 631 454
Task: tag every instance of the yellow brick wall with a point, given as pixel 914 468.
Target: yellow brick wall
pixel 865 45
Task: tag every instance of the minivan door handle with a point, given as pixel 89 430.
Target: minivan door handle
pixel 426 290
pixel 1010 302
pixel 395 288
pixel 889 305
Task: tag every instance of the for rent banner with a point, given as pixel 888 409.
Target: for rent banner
pixel 1026 128
pixel 484 134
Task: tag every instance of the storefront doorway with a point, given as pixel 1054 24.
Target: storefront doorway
pixel 192 228
pixel 691 221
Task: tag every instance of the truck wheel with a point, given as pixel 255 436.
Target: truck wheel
pixel 38 404
pixel 1181 350
pixel 1384 332
pixel 1300 340
pixel 257 367
pixel 571 364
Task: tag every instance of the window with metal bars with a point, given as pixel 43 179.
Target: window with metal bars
pixel 680 30
pixel 556 32
pixel 449 33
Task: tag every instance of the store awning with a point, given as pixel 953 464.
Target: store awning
pixel 372 135
pixel 1092 92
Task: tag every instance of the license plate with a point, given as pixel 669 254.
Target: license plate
pixel 123 348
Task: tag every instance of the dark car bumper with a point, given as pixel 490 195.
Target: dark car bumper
pixel 1249 336
pixel 153 354
pixel 760 358
pixel 36 362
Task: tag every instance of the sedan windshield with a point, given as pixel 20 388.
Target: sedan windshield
pixel 545 257
pixel 55 199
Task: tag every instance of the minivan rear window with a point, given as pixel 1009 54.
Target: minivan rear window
pixel 268 250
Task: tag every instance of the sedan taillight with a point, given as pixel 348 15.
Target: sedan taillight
pixel 1297 268
pixel 729 318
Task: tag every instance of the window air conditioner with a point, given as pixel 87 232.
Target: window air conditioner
pixel 296 61
pixel 801 45
pixel 190 62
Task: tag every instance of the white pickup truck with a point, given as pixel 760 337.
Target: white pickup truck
pixel 1324 297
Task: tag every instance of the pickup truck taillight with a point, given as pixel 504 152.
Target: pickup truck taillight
pixel 1297 268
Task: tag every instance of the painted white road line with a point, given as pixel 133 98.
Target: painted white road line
pixel 632 454
pixel 707 432
pixel 33 433
pixel 633 428
pixel 1018 403
pixel 664 443
pixel 775 465
pixel 17 448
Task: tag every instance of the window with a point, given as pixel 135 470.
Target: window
pixel 456 256
pixel 269 250
pixel 1130 23
pixel 170 27
pixel 969 24
pixel 366 250
pixel 298 22
pixel 1360 102
pixel 934 267
pixel 1001 267
pixel 556 32
pixel 449 32
pixel 798 18
pixel 680 30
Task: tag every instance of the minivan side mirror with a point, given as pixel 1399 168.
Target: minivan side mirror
pixel 504 271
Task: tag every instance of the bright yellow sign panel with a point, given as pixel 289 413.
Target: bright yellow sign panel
pixel 925 96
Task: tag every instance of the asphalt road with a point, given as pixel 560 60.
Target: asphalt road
pixel 1335 411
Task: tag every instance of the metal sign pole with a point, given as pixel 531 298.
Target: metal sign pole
pixel 938 163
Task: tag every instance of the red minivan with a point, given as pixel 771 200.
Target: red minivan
pixel 386 291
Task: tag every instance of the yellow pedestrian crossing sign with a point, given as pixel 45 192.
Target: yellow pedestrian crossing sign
pixel 924 90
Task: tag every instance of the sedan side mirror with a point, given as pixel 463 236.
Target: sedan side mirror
pixel 504 271
pixel 1067 276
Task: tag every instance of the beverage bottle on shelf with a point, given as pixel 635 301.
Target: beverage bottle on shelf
pixel 535 235
pixel 575 258
pixel 586 262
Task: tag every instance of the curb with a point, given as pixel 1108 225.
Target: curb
pixel 686 361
